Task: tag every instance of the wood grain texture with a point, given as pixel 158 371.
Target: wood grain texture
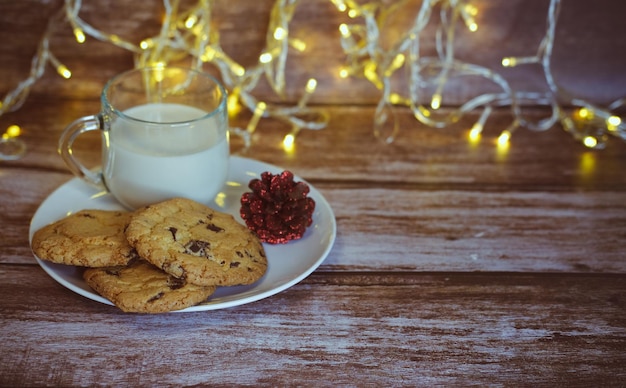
pixel 333 329
pixel 584 60
pixel 455 263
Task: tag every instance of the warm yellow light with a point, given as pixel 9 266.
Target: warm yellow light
pixel 146 44
pixel 395 98
pixel 353 13
pixel 64 72
pixel 503 139
pixel 584 113
pixel 232 103
pixel 435 103
pixel 14 130
pixel 372 75
pixel 472 26
pixel 238 70
pixel 613 122
pixel 191 21
pixel 509 62
pixel 344 30
pixel 470 9
pixel 280 33
pixel 207 56
pixel 590 141
pixel 79 35
pixel 220 199
pixel 397 63
pixel 475 132
pixel 341 6
pixel 344 73
pixel 289 142
pixel 587 163
pixel 297 44
pixel 265 58
pixel 311 85
pixel 259 109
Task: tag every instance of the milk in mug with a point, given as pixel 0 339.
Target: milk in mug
pixel 147 163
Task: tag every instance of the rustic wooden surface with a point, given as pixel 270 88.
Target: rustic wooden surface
pixel 455 264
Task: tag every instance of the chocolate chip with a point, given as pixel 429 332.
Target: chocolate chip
pixel 156 297
pixel 197 248
pixel 214 228
pixel 239 253
pixel 113 271
pixel 173 230
pixel 234 264
pixel 175 283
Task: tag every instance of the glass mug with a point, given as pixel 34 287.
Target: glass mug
pixel 164 135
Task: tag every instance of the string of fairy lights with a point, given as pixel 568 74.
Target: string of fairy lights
pixel 192 33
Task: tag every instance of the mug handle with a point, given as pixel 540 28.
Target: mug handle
pixel 66 141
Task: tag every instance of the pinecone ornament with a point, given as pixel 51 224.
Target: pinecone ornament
pixel 278 209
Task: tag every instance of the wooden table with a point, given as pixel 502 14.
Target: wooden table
pixel 454 264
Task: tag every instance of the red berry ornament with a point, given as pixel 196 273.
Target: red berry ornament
pixel 278 209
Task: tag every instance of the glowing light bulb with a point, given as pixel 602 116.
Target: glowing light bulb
pixel 191 21
pixel 146 44
pixel 435 103
pixel 509 62
pixel 64 72
pixel 280 33
pixel 613 122
pixel 344 30
pixel 344 73
pixel 395 98
pixel 502 143
pixel 208 55
pixel 341 6
pixel 475 132
pixel 79 35
pixel 585 113
pixel 238 70
pixel 311 85
pixel 12 131
pixel 289 143
pixel 590 141
pixel 504 137
pixel 397 63
pixel 470 9
pixel 265 58
pixel 297 44
pixel 232 103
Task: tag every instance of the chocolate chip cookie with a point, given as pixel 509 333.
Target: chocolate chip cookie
pixel 88 238
pixel 140 287
pixel 194 242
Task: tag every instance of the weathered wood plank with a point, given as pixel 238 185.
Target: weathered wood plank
pixel 421 228
pixel 348 151
pixel 332 329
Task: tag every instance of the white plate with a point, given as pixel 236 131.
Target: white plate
pixel 288 264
